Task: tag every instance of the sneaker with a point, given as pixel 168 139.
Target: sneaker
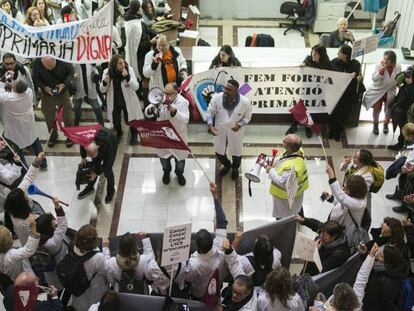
pixel 385 129
pixel 292 129
pixel 69 143
pixel 181 179
pixel 109 196
pixel 223 172
pixel 235 173
pixel 400 209
pixel 375 129
pixel 166 178
pixel 308 132
pixel 395 147
pixel 85 192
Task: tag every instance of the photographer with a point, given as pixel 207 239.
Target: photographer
pixel 54 78
pixel 11 70
pixel 103 152
pixel 19 119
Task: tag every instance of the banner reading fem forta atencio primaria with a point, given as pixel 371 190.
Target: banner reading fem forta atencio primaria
pixel 275 90
pixel 86 41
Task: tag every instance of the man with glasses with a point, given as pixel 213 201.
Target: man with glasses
pixel 175 109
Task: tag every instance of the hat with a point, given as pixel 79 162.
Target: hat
pixel 6 240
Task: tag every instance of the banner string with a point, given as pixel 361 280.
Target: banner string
pixel 12 150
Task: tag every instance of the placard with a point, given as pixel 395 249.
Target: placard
pixel 364 46
pixel 176 244
pixel 291 186
pixel 306 249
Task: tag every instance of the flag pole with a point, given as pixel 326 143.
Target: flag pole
pixel 323 147
pixel 198 163
pixel 14 153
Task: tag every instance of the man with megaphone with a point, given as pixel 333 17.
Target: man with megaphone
pixel 291 158
pixel 230 111
pixel 175 109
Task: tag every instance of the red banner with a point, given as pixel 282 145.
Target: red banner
pixel 82 135
pixel 159 134
pixel 302 115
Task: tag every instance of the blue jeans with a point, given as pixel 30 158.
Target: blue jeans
pixel 77 104
pixel 167 168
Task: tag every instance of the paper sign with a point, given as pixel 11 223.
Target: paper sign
pixel 306 249
pixel 176 244
pixel 364 46
pixel 291 187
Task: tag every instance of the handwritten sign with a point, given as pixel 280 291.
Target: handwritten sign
pixel 86 41
pixel 306 249
pixel 364 46
pixel 176 244
pixel 291 187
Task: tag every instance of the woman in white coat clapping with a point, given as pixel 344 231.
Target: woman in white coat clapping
pixel 120 84
pixel 383 89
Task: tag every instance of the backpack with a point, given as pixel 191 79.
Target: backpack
pixel 175 290
pixel 378 173
pixel 130 284
pixel 212 294
pixel 260 274
pixel 306 287
pixel 42 261
pixel 406 297
pixel 72 274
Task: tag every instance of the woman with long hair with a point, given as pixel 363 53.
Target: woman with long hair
pixel 33 18
pixel 278 294
pixel 350 97
pixel 44 10
pixel 317 59
pixel 120 85
pixel 225 58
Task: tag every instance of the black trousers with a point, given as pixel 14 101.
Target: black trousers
pixel 116 117
pixel 226 162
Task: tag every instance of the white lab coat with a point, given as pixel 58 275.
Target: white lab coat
pixel 380 85
pixel 240 264
pixel 80 89
pixel 295 303
pixel 84 8
pixel 8 174
pixel 343 202
pixel 128 90
pixel 97 264
pixel 223 122
pixel 180 123
pixel 160 282
pixel 155 76
pixel 200 267
pixel 18 117
pixel 133 33
pixel 114 272
pixel 11 262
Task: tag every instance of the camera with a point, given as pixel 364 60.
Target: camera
pixel 55 91
pixel 324 196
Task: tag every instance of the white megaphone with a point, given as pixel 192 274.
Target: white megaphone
pixel 254 174
pixel 155 97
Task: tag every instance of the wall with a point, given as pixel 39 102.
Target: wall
pixel 405 29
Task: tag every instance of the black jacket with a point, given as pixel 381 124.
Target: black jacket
pixel 383 289
pixel 335 41
pixel 331 257
pixel 108 146
pixel 175 54
pixel 233 62
pixel 62 73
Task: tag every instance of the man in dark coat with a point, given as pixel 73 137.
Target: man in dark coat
pixel 103 152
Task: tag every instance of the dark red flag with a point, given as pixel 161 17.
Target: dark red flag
pixel 82 135
pixel 25 298
pixel 302 115
pixel 159 134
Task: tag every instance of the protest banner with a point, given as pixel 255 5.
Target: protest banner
pixel 275 90
pixel 86 41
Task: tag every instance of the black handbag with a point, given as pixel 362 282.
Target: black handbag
pixel 395 168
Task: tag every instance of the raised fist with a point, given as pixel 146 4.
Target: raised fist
pixel 208 93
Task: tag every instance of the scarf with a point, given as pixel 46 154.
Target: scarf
pixel 335 243
pixel 378 266
pixel 235 306
pixel 229 106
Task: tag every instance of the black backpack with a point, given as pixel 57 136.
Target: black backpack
pixel 130 284
pixel 5 282
pixel 260 274
pixel 72 274
pixel 175 290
